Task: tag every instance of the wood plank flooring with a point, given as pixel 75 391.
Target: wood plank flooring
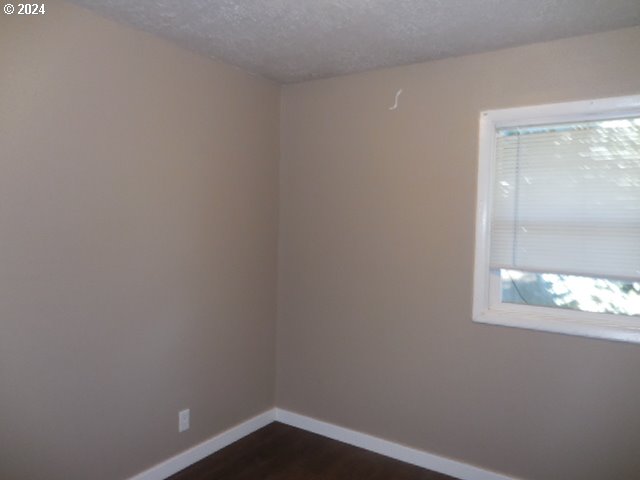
pixel 281 452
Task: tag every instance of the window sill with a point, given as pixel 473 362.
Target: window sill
pixel 610 327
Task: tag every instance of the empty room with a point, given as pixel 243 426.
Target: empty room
pixel 320 240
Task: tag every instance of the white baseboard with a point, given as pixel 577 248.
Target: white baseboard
pixel 188 457
pixel 420 458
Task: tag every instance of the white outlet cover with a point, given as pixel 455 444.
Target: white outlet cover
pixel 183 420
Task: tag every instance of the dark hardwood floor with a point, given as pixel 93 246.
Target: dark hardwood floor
pixel 281 452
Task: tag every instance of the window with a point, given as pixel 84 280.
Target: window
pixel 558 219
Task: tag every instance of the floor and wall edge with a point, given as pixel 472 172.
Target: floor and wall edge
pixel 400 452
pixel 406 454
pixel 194 454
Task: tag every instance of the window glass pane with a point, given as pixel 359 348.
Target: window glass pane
pixel 587 294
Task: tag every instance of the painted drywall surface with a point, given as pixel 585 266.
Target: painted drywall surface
pixel 138 204
pixel 375 270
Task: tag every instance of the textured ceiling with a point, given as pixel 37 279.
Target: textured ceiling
pixel 295 40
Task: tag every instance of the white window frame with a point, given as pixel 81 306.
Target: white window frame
pixel 487 307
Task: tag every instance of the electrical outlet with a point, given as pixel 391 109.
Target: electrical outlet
pixel 183 420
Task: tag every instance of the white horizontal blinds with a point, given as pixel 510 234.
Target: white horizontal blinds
pixel 567 199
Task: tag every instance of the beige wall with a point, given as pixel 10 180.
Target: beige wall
pixel 375 274
pixel 138 204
